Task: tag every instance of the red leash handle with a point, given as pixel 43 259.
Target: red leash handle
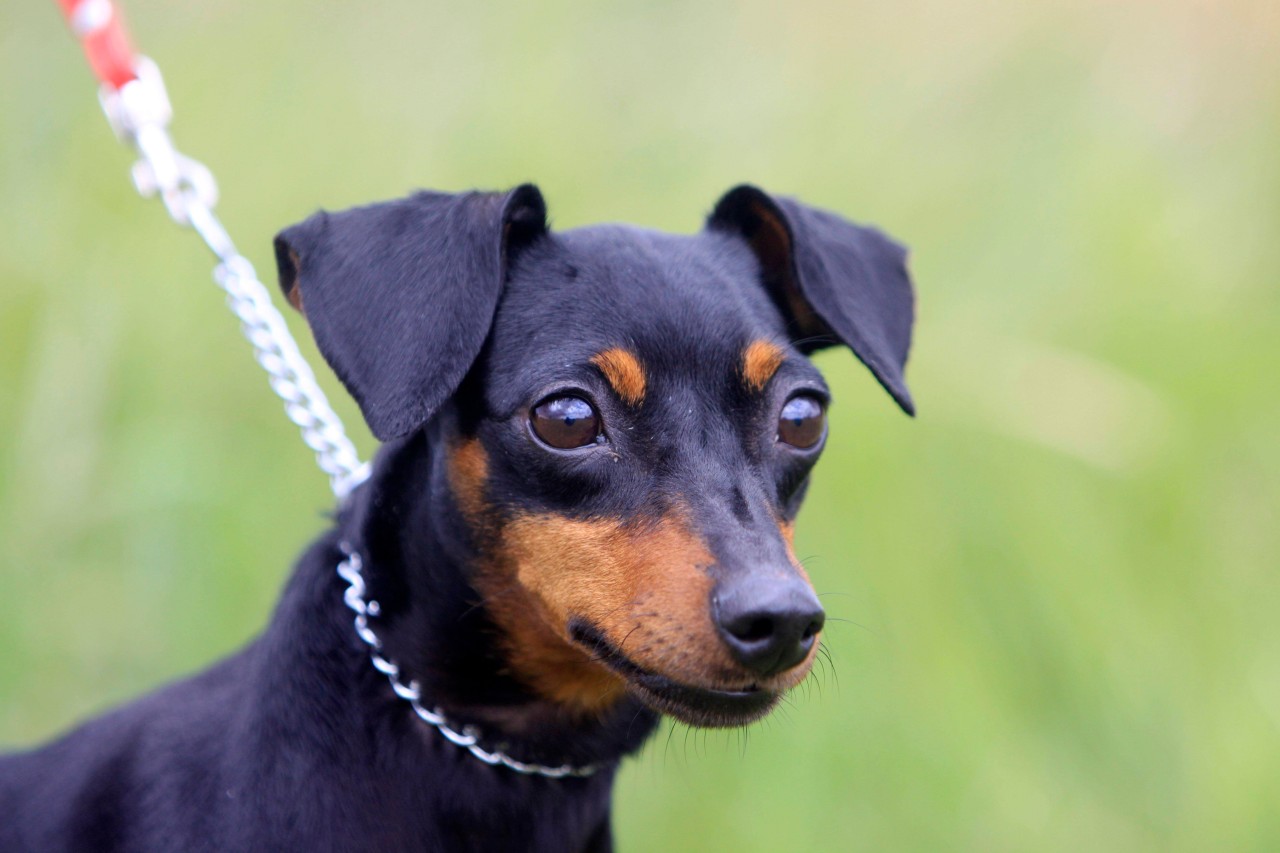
pixel 106 44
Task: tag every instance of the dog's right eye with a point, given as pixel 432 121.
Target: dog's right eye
pixel 802 421
pixel 566 422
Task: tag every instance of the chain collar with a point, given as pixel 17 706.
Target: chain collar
pixel 468 738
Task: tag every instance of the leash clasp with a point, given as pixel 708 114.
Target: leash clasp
pixel 139 113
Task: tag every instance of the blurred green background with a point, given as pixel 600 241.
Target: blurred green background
pixel 1060 581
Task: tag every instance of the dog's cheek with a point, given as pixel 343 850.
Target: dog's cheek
pixel 573 567
pixel 539 656
pixel 535 650
pixel 646 588
pixel 512 581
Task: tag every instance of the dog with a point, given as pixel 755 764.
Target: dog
pixel 595 443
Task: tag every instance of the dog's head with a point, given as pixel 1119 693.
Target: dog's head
pixel 632 419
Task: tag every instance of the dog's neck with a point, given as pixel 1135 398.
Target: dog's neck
pixel 416 548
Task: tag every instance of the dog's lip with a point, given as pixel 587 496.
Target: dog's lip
pixel 701 706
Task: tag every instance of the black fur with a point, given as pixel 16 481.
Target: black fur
pixel 400 295
pixel 449 316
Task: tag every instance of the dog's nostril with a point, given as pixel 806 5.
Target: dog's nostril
pixel 816 621
pixel 753 630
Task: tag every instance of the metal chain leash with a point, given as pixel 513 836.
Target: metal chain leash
pixel 134 99
pixel 139 113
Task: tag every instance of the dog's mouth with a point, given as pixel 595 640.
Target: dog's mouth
pixel 697 706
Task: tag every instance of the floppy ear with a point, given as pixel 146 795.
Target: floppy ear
pixel 400 295
pixel 834 281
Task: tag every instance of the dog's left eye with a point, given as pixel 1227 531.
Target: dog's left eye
pixel 566 422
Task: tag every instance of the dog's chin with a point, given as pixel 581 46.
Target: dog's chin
pixel 696 706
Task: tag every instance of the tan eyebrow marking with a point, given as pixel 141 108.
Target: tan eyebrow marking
pixel 760 360
pixel 624 372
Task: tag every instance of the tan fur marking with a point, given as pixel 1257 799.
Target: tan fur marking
pixel 760 360
pixel 788 530
pixel 468 470
pixel 624 372
pixel 645 588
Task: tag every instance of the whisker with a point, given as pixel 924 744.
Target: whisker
pixel 815 339
pixel 671 730
pixel 872 631
pixel 826 654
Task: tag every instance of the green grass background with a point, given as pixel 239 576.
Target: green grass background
pixel 1060 581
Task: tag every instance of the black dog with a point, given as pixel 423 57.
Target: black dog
pixel 596 444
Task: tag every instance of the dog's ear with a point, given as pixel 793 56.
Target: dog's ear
pixel 401 295
pixel 834 281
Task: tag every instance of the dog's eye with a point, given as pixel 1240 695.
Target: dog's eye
pixel 566 422
pixel 802 421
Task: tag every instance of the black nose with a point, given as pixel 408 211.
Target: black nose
pixel 769 624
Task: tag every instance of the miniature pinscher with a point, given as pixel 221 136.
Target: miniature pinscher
pixel 595 443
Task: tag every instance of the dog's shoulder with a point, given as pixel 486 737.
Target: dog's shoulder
pixel 146 772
